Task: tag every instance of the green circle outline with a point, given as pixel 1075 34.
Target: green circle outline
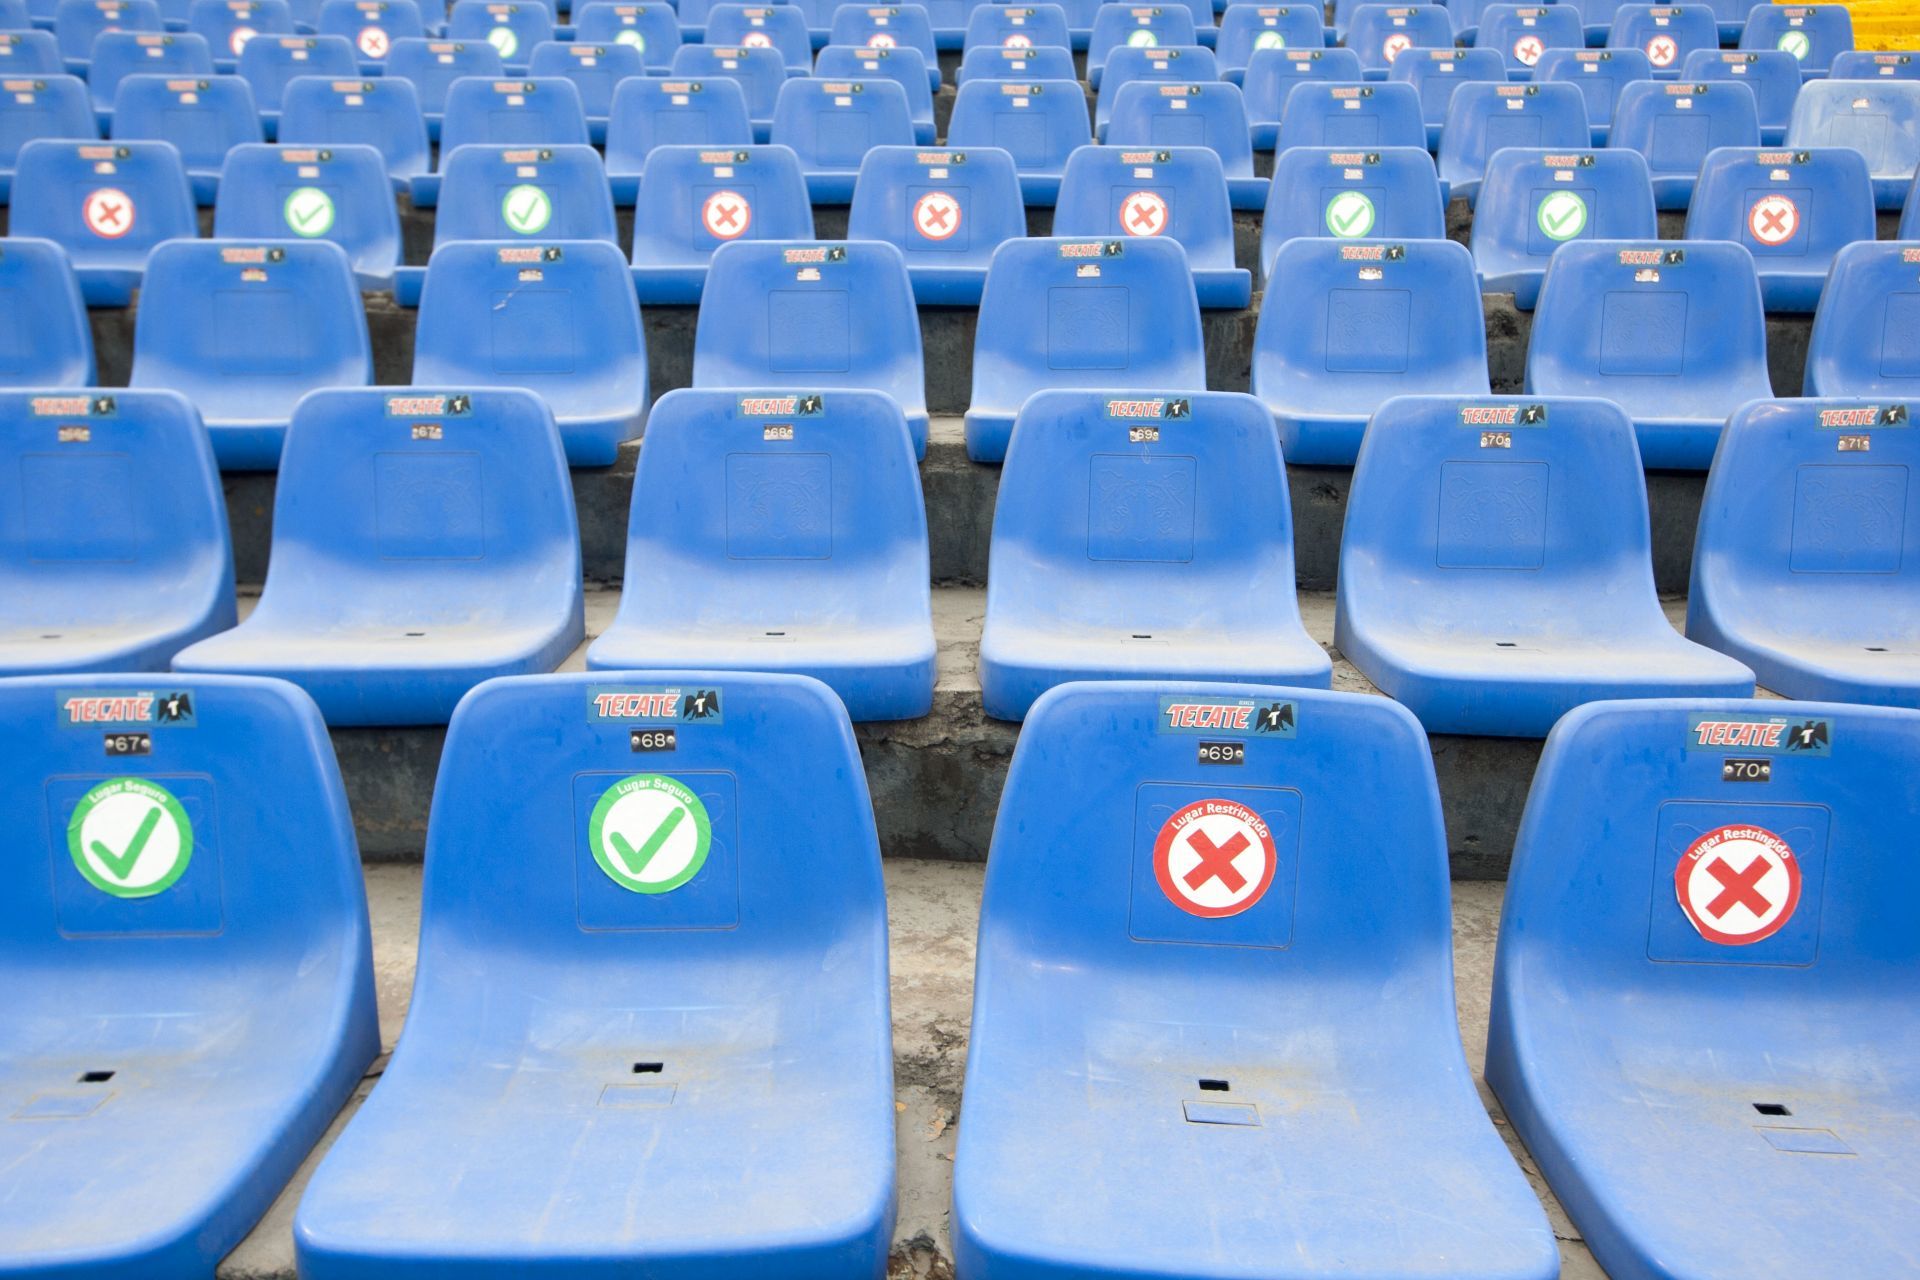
pixel 512 39
pixel 702 827
pixel 1270 39
pixel 506 203
pixel 168 803
pixel 1143 38
pixel 1373 215
pixel 1805 41
pixel 1540 216
pixel 286 212
pixel 632 37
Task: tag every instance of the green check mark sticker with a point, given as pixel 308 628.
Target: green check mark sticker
pixel 1270 40
pixel 649 833
pixel 632 37
pixel 1350 214
pixel 527 209
pixel 130 838
pixel 1795 43
pixel 1562 215
pixel 503 39
pixel 309 212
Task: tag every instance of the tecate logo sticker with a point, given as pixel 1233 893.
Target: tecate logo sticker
pixel 658 704
pixel 1180 714
pixel 1781 735
pixel 91 709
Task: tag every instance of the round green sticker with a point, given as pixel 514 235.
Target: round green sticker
pixel 1562 215
pixel 649 833
pixel 1350 214
pixel 503 39
pixel 1795 43
pixel 632 37
pixel 130 838
pixel 309 212
pixel 1270 40
pixel 527 209
pixel 1143 39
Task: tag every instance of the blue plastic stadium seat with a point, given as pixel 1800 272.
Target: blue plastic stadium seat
pixel 1364 321
pixel 383 113
pixel 44 107
pixel 15 15
pixel 116 555
pixel 1866 336
pixel 950 18
pixel 204 119
pixel 1490 598
pixel 1390 193
pixel 227 25
pixel 891 28
pixel 1123 26
pixel 1380 33
pixel 904 67
pixel 653 29
pixel 270 63
pixel 1910 214
pixel 1665 918
pixel 1599 74
pixel 1038 123
pixel 1008 26
pixel 1675 334
pixel 1176 192
pixel 77 23
pixel 1167 65
pixel 514 29
pixel 106 204
pixel 1350 116
pixel 1773 76
pixel 1812 34
pixel 594 69
pixel 590 1052
pixel 649 113
pixel 1665 33
pixel 202 998
pixel 244 329
pixel 336 193
pixel 1273 73
pixel 779 27
pixel 830 125
pixel 519 113
pixel 992 62
pixel 433 66
pixel 695 199
pixel 1245 29
pixel 119 54
pixel 1112 561
pixel 424 540
pixel 1208 114
pixel 372 26
pixel 1436 73
pixel 1793 210
pixel 780 312
pixel 1485 118
pixel 780 530
pixel 1167 1004
pixel 758 72
pixel 1533 201
pixel 1521 33
pixel 946 211
pixel 27 54
pixel 1675 125
pixel 45 339
pixel 556 317
pixel 1071 314
pixel 1863 64
pixel 1879 119
pixel 1824 604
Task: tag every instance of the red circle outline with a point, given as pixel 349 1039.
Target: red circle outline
pixel 1163 848
pixel 1683 872
pixel 746 209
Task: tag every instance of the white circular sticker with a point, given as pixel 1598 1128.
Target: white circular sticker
pixel 936 215
pixel 1738 884
pixel 308 212
pixel 130 838
pixel 373 42
pixel 629 36
pixel 1773 220
pixel 1269 40
pixel 108 213
pixel 881 40
pixel 238 37
pixel 1395 45
pixel 1141 38
pixel 1796 43
pixel 1662 50
pixel 1350 214
pixel 1214 858
pixel 1017 41
pixel 726 215
pixel 1528 48
pixel 649 833
pixel 503 39
pixel 1143 213
pixel 757 40
pixel 1562 215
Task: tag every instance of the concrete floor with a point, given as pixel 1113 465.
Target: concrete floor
pixel 933 908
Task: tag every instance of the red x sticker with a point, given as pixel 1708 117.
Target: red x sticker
pixel 1214 858
pixel 1738 885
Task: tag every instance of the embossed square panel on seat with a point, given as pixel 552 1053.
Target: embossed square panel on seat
pixel 832 124
pixel 992 62
pixel 1165 64
pixel 651 28
pixel 1675 125
pixel 596 70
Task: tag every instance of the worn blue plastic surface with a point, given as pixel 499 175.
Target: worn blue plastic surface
pixel 383 113
pixel 1910 215
pixel 887 28
pixel 106 204
pixel 1389 193
pixel 1644 1064
pixel 31 54
pixel 695 199
pixel 76 24
pixel 1364 321
pixel 227 25
pixel 759 73
pixel 946 211
pixel 1132 1061
pixel 513 29
pixel 830 124
pixel 1348 116
pixel 115 554
pixel 1866 335
pixel 1862 64
pixel 1773 76
pixel 1271 77
pixel 904 67
pixel 1805 564
pixel 1521 33
pixel 777 26
pixel 1811 34
pixel 1485 118
pixel 1793 210
pixel 1123 26
pixel 780 530
pixel 1025 26
pixel 1665 33
pixel 433 66
pixel 1247 28
pixel 45 338
pixel 1675 334
pixel 652 28
pixel 424 540
pixel 372 26
pixel 1206 114
pixel 1879 119
pixel 1113 558
pixel 339 194
pixel 270 63
pixel 119 54
pixel 184 1032
pixel 521 113
pixel 1436 73
pixel 1675 125
pixel 49 107
pixel 819 315
pixel 595 69
pixel 1380 33
pixel 1038 123
pixel 1092 314
pixel 557 317
pixel 951 18
pixel 1167 64
pixel 1491 595
pixel 203 118
pixel 1179 193
pixel 991 62
pixel 652 112
pixel 244 329
pixel 1533 201
pixel 1599 75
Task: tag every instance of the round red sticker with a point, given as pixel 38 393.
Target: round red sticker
pixel 1662 50
pixel 726 215
pixel 1738 885
pixel 1017 41
pixel 1214 858
pixel 1528 49
pixel 108 213
pixel 373 42
pixel 881 40
pixel 1395 45
pixel 936 215
pixel 1773 219
pixel 756 40
pixel 1143 213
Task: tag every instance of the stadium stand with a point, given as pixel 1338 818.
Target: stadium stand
pixel 1350 116
pixel 1667 34
pixel 119 54
pixel 1248 28
pixel 595 70
pixel 45 340
pixel 1773 76
pixel 339 194
pixel 1119 26
pixel 1866 334
pixel 651 112
pixel 520 113
pixel 1813 35
pixel 1879 119
pixel 383 113
pixel 1038 123
pixel 759 73
pixel 830 124
pixel 904 67
pixel 50 107
pixel 693 200
pixel 1436 73
pixel 270 63
pixel 1390 193
pixel 946 211
pixel 1380 33
pixel 1272 75
pixel 424 540
pixel 1484 118
pixel 1793 210
pixel 1211 114
pixel 1365 320
pixel 1533 201
pixel 433 65
pixel 1599 75
pixel 1675 125
pixel 107 204
pixel 78 23
pixel 1176 192
pixel 514 30
pixel 1166 65
pixel 1522 33
pixel 652 29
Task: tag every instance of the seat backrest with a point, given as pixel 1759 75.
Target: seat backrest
pixel 1380 33
pixel 1675 125
pixel 1027 26
pixel 1483 118
pixel 31 54
pixel 1176 192
pixel 338 193
pixel 372 25
pixel 106 203
pixel 524 194
pixel 383 113
pixel 432 66
pixel 1773 76
pixel 1272 73
pixel 204 118
pixel 1865 64
pixel 1392 193
pixel 1878 118
pixel 904 67
pixel 1037 122
pixel 1349 116
pixel 1665 33
pixel 830 124
pixel 1597 73
pixel 594 69
pixel 542 113
pixel 1910 216
pixel 44 107
pixel 1786 207
pixel 245 329
pixel 653 28
pixel 883 27
pixel 1203 114
pixel 1521 33
pixel 1811 34
pixel 1247 28
pixel 270 62
pixel 651 112
pixel 779 27
pixel 1534 200
pixel 512 29
pixel 119 54
pixel 1436 73
pixel 758 72
pixel 1139 27
pixel 780 312
pixel 227 25
pixel 993 62
pixel 939 208
pixel 1167 64
pixel 77 23
pixel 694 199
pixel 45 339
pixel 1866 334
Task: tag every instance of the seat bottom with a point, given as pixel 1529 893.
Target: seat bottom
pixel 1885 673
pixel 28 649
